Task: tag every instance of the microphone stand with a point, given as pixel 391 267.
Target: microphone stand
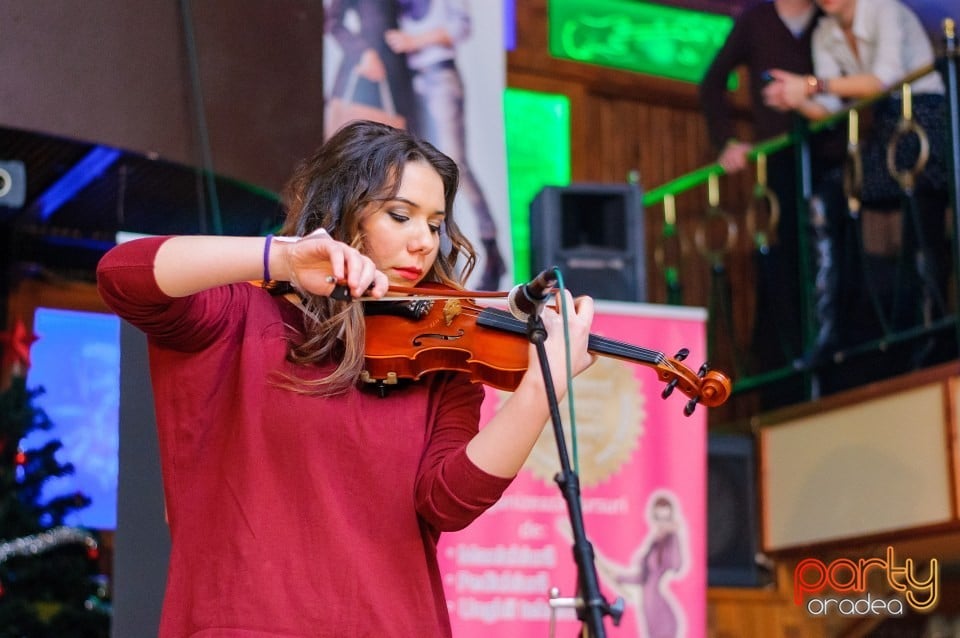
pixel 591 606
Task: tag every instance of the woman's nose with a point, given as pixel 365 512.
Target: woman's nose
pixel 421 238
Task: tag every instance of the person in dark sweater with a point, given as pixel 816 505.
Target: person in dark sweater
pixel 766 35
pixel 769 35
pixel 300 503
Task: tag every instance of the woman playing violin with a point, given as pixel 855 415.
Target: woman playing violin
pixel 299 503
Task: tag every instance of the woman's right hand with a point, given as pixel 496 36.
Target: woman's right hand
pixel 317 263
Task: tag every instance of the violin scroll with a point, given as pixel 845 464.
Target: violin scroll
pixel 709 387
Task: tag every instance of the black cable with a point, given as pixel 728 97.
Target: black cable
pixel 205 170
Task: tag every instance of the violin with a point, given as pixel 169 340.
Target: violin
pixel 440 330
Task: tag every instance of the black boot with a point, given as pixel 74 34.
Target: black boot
pixel 931 263
pixel 826 285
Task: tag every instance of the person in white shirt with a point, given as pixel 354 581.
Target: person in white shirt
pixel 861 48
pixel 856 54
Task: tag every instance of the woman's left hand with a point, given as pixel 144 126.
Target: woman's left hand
pixel 580 313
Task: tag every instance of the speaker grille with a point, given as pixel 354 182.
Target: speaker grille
pixel 594 233
pixel 731 513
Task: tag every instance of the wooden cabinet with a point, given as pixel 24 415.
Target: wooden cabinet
pixel 767 612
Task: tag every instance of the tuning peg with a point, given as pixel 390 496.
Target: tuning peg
pixel 702 372
pixel 681 354
pixel 668 389
pixel 690 406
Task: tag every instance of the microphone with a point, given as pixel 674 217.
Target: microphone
pixel 528 299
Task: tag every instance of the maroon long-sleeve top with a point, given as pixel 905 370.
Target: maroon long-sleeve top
pixel 293 515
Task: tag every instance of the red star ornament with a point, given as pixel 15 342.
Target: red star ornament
pixel 16 346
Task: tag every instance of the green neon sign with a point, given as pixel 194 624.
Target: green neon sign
pixel 637 36
pixel 538 155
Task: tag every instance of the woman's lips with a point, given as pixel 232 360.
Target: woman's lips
pixel 410 274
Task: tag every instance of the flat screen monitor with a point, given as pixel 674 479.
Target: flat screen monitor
pixel 76 361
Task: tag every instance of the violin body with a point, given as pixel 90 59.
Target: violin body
pixel 446 336
pixel 447 331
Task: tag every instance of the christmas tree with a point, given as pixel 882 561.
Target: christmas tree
pixel 49 585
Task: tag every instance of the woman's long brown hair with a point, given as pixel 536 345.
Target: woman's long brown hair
pixel 356 169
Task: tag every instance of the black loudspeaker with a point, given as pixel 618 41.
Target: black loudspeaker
pixel 594 234
pixel 732 543
pixel 13 183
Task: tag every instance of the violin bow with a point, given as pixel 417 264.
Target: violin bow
pixel 342 293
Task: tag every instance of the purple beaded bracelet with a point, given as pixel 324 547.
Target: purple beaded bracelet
pixel 266 258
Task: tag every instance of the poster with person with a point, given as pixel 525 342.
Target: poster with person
pixel 642 468
pixel 437 68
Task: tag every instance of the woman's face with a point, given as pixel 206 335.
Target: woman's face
pixel 402 235
pixel 662 514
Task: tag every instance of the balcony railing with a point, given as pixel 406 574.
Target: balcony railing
pixel 937 328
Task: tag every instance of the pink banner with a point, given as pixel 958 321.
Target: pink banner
pixel 642 469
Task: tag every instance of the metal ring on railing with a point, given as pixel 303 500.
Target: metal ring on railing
pixel 761 236
pixel 660 250
pixel 715 255
pixel 907 177
pixel 853 166
pixel 670 231
pixel 853 180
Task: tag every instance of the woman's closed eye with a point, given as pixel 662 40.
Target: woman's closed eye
pixel 402 218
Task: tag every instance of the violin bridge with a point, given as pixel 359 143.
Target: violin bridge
pixel 451 310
